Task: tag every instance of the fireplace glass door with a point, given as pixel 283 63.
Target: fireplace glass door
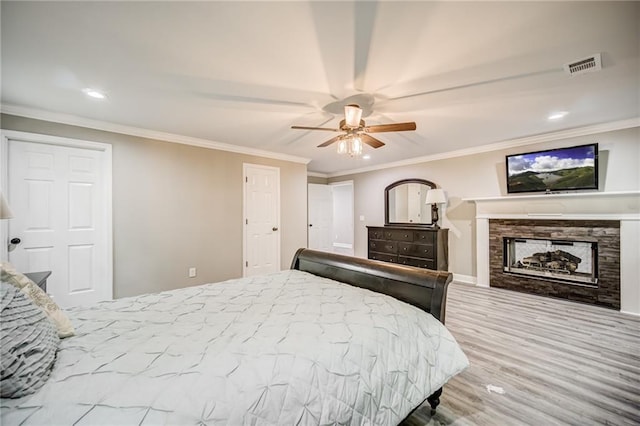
pixel 574 262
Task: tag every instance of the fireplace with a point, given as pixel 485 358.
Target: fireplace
pixel 609 218
pixel 566 261
pixel 571 259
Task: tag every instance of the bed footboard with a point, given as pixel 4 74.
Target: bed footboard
pixel 423 288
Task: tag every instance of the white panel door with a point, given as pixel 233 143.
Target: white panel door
pixel 320 217
pixel 262 220
pixel 58 197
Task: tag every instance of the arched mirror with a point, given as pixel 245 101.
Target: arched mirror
pixel 405 203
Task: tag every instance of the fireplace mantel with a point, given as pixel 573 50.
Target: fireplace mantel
pixel 620 205
pixel 555 195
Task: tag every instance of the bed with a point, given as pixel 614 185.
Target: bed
pixel 321 343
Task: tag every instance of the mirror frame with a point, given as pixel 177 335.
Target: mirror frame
pixel 428 183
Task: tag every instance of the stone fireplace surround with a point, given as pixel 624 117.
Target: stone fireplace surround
pixel 605 232
pixel 621 206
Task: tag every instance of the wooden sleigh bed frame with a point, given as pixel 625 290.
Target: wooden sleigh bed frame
pixel 423 288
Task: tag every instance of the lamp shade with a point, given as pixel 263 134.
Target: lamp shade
pixel 5 211
pixel 352 115
pixel 435 196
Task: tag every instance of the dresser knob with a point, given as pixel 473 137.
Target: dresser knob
pixel 406 235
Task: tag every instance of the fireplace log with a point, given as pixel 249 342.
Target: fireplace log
pixel 564 255
pixel 558 260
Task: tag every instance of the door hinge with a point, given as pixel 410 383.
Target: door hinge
pixel 246 179
pixel 246 264
pixel 246 221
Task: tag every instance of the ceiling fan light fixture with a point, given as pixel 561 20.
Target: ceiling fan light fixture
pixel 342 146
pixel 351 145
pixel 355 133
pixel 357 145
pixel 352 115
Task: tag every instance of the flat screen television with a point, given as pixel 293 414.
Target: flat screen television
pixel 573 168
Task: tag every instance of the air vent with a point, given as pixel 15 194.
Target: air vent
pixel 591 64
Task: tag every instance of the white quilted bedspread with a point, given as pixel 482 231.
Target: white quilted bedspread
pixel 281 349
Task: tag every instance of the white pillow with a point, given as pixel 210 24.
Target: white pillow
pixel 9 275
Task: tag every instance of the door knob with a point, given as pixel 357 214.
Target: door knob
pixel 275 228
pixel 15 241
pixel 310 225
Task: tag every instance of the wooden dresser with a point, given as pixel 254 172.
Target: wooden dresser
pixel 421 247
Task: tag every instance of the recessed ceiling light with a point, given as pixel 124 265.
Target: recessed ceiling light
pixel 557 115
pixel 366 157
pixel 94 93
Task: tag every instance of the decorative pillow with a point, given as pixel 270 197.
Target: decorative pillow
pixel 28 344
pixel 9 275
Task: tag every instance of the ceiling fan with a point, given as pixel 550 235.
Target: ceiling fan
pixel 356 132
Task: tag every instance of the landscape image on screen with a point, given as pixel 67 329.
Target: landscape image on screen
pixel 554 170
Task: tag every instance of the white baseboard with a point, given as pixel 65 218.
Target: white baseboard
pixel 465 279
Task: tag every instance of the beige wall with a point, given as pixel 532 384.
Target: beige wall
pixel 178 206
pixel 483 175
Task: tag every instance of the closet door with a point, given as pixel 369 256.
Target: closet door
pixel 60 205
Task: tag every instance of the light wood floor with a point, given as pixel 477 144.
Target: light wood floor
pixel 558 362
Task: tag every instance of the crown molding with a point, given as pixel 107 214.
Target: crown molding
pixel 204 143
pixel 317 174
pixel 143 133
pixel 529 140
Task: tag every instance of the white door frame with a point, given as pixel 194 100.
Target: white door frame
pixel 8 135
pixel 245 166
pixel 349 247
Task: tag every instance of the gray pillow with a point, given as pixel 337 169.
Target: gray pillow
pixel 28 342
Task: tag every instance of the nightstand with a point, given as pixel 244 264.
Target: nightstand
pixel 40 278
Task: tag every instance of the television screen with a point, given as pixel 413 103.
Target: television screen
pixel 561 169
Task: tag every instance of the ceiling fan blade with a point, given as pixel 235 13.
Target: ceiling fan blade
pixel 395 127
pixel 300 135
pixel 370 140
pixel 330 141
pixel 330 129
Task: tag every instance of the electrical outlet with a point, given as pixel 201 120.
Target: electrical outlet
pixel 192 272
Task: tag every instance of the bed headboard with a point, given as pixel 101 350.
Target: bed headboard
pixel 423 288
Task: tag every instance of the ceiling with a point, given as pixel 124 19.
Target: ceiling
pixel 241 73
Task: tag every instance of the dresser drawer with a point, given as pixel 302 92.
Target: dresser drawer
pixel 398 234
pixel 376 234
pixel 424 237
pixel 417 250
pixel 414 261
pixel 384 257
pixel 382 246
